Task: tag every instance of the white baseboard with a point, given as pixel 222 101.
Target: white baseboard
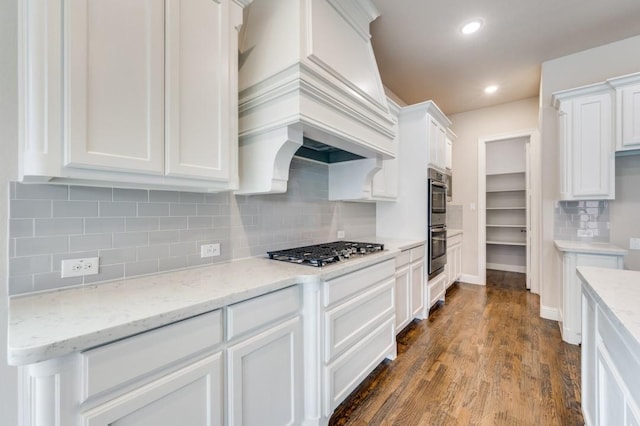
pixel 471 279
pixel 549 313
pixel 507 268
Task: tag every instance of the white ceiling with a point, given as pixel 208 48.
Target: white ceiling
pixel 422 55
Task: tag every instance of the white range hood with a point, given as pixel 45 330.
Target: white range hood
pixel 307 71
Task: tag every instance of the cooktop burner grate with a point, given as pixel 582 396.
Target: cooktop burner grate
pixel 322 254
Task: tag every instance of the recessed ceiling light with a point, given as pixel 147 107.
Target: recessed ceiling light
pixel 471 27
pixel 491 89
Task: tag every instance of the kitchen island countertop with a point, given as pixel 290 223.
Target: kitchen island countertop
pixel 57 323
pixel 618 291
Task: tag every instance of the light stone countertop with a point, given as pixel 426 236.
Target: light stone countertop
pixel 617 291
pixel 592 248
pixel 47 325
pixel 452 232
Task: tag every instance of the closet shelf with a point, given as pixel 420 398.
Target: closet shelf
pixel 506 208
pixel 507 243
pixel 505 226
pixel 506 190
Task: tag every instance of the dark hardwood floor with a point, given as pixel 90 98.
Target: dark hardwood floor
pixel 485 357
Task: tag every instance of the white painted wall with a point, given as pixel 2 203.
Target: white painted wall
pixel 8 162
pixel 624 211
pixel 506 156
pixel 587 67
pixel 470 127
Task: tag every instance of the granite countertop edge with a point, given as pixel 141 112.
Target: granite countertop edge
pixel 589 247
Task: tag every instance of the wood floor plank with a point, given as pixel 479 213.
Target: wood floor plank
pixel 484 357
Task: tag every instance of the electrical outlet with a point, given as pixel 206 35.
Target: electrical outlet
pixel 340 234
pixel 80 267
pixel 634 243
pixel 210 250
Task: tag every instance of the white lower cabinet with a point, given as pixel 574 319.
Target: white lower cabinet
pixel 265 377
pixel 410 286
pixel 190 396
pixel 358 319
pixel 255 362
pixel 453 268
pixel 437 288
pixel 610 383
pixel 570 315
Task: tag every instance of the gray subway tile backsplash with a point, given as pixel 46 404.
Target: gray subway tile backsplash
pixel 62 226
pixel 130 195
pixel 582 221
pixel 137 232
pixel 118 209
pixel 41 192
pixel 89 193
pixel 41 245
pixel 75 208
pixel 30 208
pixel 90 242
pixel 20 228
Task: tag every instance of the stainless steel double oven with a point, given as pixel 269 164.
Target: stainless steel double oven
pixel 437 222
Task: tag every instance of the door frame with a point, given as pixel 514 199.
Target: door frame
pixel 534 174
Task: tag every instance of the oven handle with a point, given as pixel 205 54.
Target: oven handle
pixel 440 184
pixel 442 228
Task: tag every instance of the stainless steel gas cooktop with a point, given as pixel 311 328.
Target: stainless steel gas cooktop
pixel 323 254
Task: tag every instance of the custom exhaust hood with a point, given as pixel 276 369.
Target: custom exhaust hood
pixel 309 86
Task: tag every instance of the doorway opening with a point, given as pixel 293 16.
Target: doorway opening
pixel 508 205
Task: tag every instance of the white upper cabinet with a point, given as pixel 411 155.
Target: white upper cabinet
pixel 587 157
pixel 437 145
pixel 450 137
pixel 114 83
pixel 148 95
pixel 627 111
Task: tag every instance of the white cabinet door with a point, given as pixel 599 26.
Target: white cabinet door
pixel 591 145
pixel 437 145
pixel 114 78
pixel 629 117
pixel 610 394
pixel 265 377
pixel 588 359
pixel 190 396
pixel 417 289
pixel 403 289
pixel 199 89
pixel 449 154
pixel 587 155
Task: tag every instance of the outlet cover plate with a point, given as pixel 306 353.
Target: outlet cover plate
pixel 80 267
pixel 210 250
pixel 634 243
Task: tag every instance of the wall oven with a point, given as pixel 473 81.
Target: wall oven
pixel 437 222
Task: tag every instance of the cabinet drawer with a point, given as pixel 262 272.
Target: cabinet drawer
pixel 118 363
pixel 346 285
pixel 417 253
pixel 350 369
pixel 403 258
pixel 436 288
pixel 620 354
pixel 347 323
pixel 255 313
pixel 454 240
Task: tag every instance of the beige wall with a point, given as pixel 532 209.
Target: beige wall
pixel 587 67
pixel 469 127
pixel 8 161
pixel 624 213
